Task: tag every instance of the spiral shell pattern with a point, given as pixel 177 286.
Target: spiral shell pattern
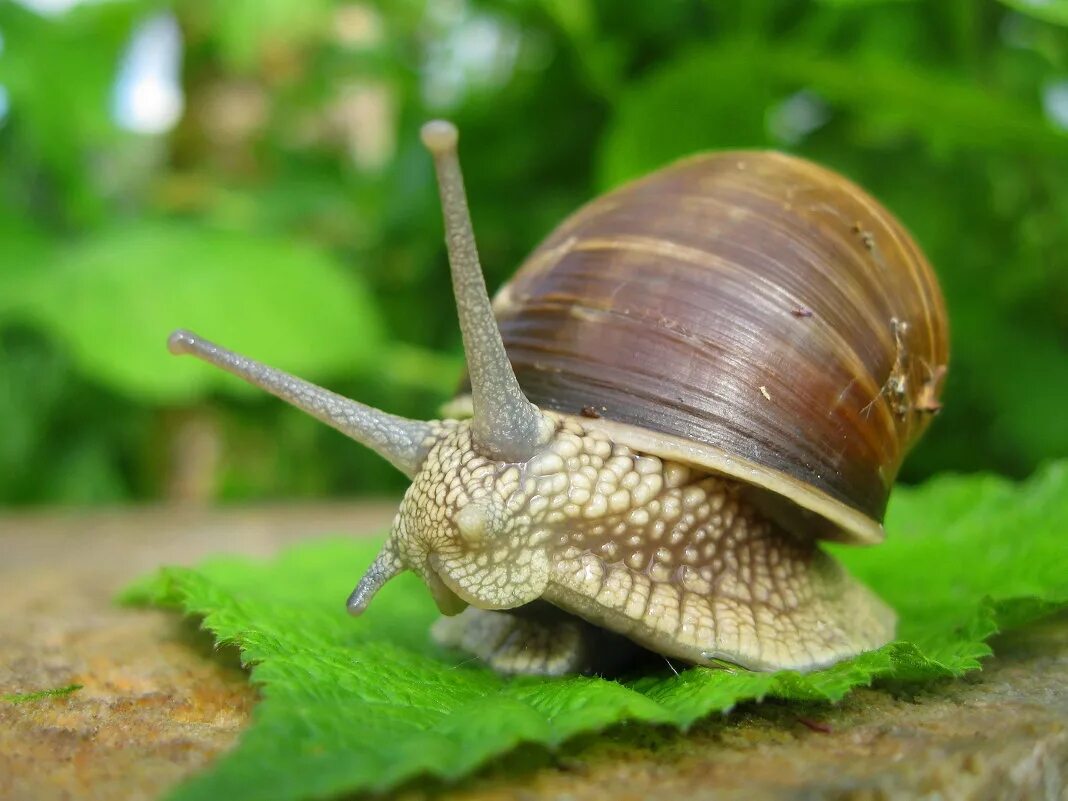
pixel 750 312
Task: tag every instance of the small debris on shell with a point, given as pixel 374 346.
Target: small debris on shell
pixel 591 412
pixel 764 392
pixel 896 387
pixel 865 236
pixel 801 311
pixel 927 400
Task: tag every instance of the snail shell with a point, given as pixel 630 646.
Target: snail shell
pixel 748 312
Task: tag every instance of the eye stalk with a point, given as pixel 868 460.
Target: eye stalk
pixel 403 442
pixel 507 427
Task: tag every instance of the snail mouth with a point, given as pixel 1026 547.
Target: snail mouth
pixel 481 590
pixel 447 600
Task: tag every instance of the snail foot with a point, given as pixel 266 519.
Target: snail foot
pixel 535 639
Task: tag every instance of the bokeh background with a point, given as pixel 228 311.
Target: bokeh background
pixel 251 169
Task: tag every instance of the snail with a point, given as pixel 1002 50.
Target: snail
pixel 688 385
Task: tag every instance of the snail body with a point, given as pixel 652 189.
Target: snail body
pixel 692 381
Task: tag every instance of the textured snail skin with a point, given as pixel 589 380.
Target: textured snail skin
pixel 752 304
pixel 668 556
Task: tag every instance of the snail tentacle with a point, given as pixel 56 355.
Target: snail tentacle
pixel 403 442
pixel 387 565
pixel 507 426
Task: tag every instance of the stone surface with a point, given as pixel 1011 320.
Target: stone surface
pixel 159 702
pixel 1001 734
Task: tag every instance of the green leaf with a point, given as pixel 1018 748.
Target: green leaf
pixel 113 299
pixel 860 3
pixel 25 248
pixel 365 704
pixel 40 695
pixel 59 73
pixel 1055 11
pixel 247 29
pixel 720 98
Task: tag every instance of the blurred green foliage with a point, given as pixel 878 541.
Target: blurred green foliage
pixel 291 212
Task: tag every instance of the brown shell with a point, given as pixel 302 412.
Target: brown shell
pixel 750 312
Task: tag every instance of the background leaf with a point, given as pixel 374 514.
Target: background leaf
pixel 1047 10
pixel 59 78
pixel 355 705
pixel 114 301
pixel 667 116
pixel 298 130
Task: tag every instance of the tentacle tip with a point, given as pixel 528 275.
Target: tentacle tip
pixel 439 136
pixel 360 598
pixel 181 341
pixel 357 603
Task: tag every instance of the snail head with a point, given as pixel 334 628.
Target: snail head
pixel 456 527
